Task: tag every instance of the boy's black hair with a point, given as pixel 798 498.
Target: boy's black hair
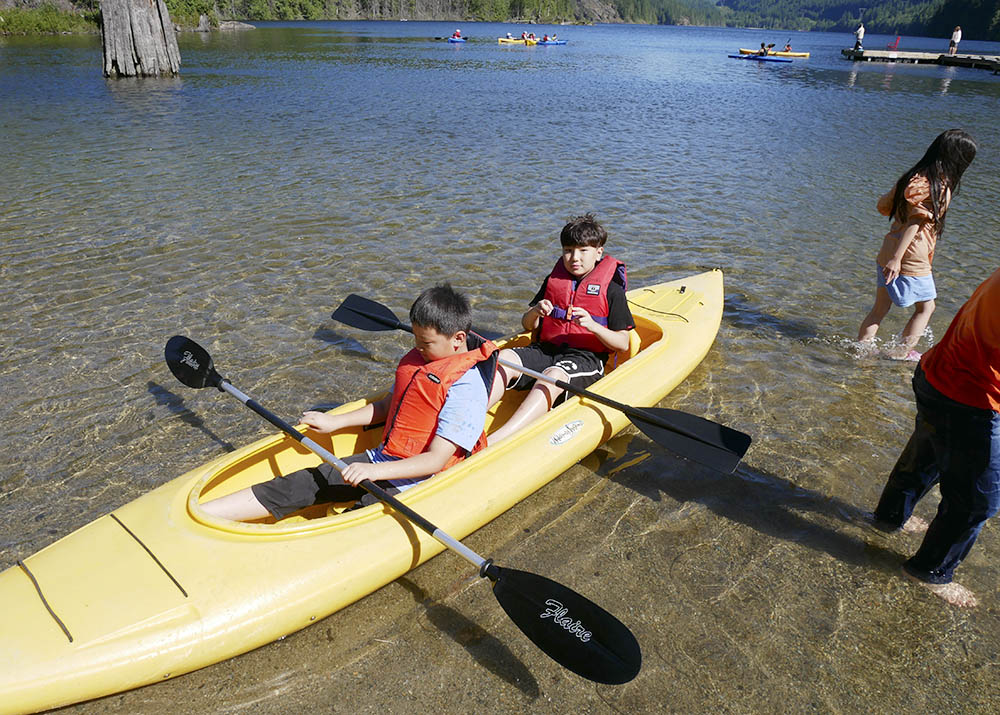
pixel 583 231
pixel 442 308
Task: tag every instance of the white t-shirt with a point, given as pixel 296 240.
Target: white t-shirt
pixel 860 32
pixel 956 36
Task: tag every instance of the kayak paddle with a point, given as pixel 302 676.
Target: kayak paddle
pixel 357 305
pixel 572 630
pixel 690 436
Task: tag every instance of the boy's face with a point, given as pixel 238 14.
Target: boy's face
pixel 433 345
pixel 580 260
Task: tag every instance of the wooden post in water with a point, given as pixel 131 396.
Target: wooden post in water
pixel 138 39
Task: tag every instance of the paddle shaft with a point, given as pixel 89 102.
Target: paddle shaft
pixel 370 486
pixel 635 412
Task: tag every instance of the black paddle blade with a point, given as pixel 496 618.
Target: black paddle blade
pixel 365 314
pixel 716 446
pixel 190 363
pixel 572 630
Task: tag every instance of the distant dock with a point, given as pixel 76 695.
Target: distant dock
pixel 987 62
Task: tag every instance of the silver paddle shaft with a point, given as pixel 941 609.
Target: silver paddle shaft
pixel 375 490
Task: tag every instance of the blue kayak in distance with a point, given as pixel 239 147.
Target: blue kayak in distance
pixel 760 58
pixel 552 42
pixel 456 39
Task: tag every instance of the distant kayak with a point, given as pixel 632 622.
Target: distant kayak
pixel 775 53
pixel 552 42
pixel 759 58
pixel 456 39
pixel 516 41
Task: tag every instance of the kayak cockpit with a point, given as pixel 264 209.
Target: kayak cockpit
pixel 280 454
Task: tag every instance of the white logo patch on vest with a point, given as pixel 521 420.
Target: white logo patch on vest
pixel 565 433
pixel 593 289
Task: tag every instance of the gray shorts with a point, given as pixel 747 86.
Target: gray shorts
pixel 316 485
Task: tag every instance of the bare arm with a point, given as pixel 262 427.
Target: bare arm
pixel 372 413
pixel 612 339
pixel 420 465
pixel 892 266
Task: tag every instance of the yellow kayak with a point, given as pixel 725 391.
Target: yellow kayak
pixel 776 53
pixel 515 41
pixel 159 588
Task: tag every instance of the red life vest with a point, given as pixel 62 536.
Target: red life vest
pixel 419 394
pixel 589 293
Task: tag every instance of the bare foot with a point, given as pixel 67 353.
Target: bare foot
pixel 902 354
pixel 915 525
pixel 954 593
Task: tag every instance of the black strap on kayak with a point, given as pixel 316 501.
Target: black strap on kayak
pixel 44 602
pixel 151 554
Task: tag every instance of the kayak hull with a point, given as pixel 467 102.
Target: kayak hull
pixel 159 587
pixel 515 41
pixel 456 39
pixel 759 58
pixel 775 53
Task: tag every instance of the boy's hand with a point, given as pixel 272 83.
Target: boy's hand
pixel 319 421
pixel 582 318
pixel 543 307
pixel 357 472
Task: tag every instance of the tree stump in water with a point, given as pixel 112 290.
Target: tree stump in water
pixel 138 39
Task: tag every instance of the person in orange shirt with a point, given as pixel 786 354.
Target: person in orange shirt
pixel 955 444
pixel 917 205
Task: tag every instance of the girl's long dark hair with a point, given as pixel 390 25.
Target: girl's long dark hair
pixel 943 164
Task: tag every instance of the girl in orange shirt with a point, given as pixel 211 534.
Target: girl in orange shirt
pixel 917 205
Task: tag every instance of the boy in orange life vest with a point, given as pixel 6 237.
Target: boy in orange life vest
pixel 434 417
pixel 583 317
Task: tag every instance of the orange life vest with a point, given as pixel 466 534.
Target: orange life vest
pixel 420 392
pixel 589 293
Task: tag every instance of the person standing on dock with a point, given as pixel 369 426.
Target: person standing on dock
pixel 956 37
pixel 955 444
pixel 859 36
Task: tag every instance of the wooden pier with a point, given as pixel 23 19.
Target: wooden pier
pixel 987 62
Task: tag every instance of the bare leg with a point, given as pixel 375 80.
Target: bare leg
pixel 538 401
pixel 238 506
pixel 914 329
pixel 870 325
pixel 503 376
pixel 954 593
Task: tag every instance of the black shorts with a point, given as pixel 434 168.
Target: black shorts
pixel 584 367
pixel 317 485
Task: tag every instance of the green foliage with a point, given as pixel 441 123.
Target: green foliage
pixel 979 19
pixel 47 19
pixel 187 13
pixel 670 12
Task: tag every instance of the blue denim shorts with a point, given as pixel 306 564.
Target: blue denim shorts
pixel 907 290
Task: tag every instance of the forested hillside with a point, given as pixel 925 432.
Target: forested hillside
pixel 980 19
